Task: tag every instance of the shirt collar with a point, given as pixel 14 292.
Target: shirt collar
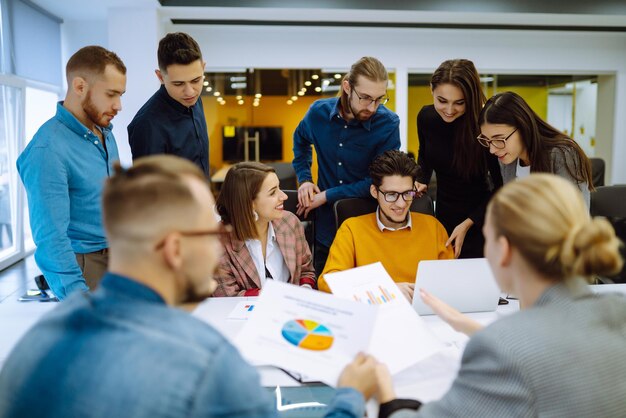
pixel 382 227
pixel 68 119
pixel 172 102
pixel 367 124
pixel 128 287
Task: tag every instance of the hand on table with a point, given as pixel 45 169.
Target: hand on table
pixel 407 290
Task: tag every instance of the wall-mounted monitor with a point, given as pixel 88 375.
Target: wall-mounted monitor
pixel 270 143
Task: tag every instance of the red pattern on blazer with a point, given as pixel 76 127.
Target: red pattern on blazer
pixel 237 275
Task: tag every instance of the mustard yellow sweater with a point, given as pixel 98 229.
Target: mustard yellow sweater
pixel 359 242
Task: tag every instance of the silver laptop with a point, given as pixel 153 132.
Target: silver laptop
pixel 465 284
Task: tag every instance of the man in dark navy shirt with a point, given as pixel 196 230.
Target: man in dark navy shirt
pixel 172 121
pixel 347 132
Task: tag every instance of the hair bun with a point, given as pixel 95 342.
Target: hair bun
pixel 591 249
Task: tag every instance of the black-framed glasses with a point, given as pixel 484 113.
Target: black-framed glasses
pixel 367 101
pixel 391 197
pixel 219 231
pixel 497 143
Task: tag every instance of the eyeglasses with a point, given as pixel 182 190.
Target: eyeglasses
pixel 220 231
pixel 391 197
pixel 368 100
pixel 498 143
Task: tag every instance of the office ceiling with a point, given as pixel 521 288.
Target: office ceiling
pixel 97 9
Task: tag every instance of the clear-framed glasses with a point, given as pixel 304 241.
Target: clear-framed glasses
pixel 366 100
pixel 219 231
pixel 498 143
pixel 391 197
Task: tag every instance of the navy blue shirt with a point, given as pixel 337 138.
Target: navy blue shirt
pixel 344 151
pixel 164 126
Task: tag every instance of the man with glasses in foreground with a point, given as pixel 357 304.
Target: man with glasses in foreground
pixel 124 351
pixel 347 132
pixel 391 235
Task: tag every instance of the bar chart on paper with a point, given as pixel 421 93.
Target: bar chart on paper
pixel 375 296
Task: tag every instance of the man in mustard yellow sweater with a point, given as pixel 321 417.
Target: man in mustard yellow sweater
pixel 399 239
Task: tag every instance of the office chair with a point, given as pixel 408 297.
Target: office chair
pixel 356 206
pixel 610 202
pixel 597 171
pixel 286 175
pixel 308 223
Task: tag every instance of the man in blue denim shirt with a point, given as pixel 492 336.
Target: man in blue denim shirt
pixel 347 133
pixel 63 169
pixel 124 351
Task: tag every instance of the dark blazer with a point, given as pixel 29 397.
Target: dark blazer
pixel 237 274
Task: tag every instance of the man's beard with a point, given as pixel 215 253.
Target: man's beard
pixel 92 112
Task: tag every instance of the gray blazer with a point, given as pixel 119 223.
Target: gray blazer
pixel 560 161
pixel 563 357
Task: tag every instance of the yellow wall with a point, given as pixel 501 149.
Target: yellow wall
pixel 272 111
pixel 419 96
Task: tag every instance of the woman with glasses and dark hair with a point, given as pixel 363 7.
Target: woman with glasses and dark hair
pixel 525 143
pixel 266 241
pixel 466 174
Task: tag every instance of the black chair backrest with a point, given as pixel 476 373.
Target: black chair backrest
pixel 286 175
pixel 308 223
pixel 597 171
pixel 610 202
pixel 356 206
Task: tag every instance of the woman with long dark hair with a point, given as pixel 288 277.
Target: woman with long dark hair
pixel 525 143
pixel 466 174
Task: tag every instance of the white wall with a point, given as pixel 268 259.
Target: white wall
pixel 76 34
pixel 420 50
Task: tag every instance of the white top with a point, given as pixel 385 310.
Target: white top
pixel 521 171
pixel 383 227
pixel 274 261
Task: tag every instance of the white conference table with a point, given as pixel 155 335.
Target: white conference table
pixel 427 380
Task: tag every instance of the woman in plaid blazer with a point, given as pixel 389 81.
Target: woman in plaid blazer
pixel 266 241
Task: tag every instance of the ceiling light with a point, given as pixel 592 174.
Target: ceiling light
pixel 318 89
pixel 315 76
pixel 326 82
pixel 206 83
pixel 300 93
pixel 303 89
pixel 289 102
pixel 223 102
pixel 255 104
pixel 216 94
pixel 239 97
pixel 294 98
pixel 258 95
pixel 307 83
pixel 237 86
pixel 209 89
pixel 337 76
pixel 237 79
pixel 240 102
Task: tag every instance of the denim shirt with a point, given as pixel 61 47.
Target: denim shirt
pixel 63 169
pixel 122 352
pixel 344 151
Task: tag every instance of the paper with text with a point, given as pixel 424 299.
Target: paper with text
pixel 400 337
pixel 309 332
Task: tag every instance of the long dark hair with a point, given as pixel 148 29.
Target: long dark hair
pixel 469 159
pixel 540 138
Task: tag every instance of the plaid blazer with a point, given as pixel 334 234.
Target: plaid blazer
pixel 237 274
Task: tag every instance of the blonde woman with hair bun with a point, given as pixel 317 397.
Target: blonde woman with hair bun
pixel 562 354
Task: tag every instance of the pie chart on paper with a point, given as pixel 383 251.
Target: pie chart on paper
pixel 307 334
